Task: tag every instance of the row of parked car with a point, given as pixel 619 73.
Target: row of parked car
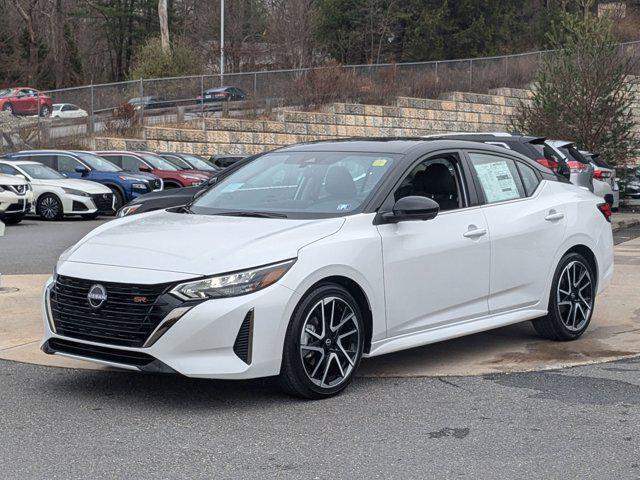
pixel 562 157
pixel 55 183
pixel 29 101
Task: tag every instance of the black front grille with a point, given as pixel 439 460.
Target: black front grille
pixel 21 206
pixel 124 357
pixel 103 201
pixel 79 207
pixel 243 344
pixel 127 317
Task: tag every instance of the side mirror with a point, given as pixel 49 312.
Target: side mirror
pixel 81 169
pixel 412 208
pixel 145 168
pixel 212 181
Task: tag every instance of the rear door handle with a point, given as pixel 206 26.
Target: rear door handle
pixel 553 215
pixel 474 233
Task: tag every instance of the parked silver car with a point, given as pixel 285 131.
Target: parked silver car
pixel 581 169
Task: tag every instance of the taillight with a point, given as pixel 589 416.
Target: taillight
pixel 550 164
pixel 577 167
pixel 600 174
pixel 605 209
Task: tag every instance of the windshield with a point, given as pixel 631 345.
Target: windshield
pixel 41 172
pixel 298 184
pixel 57 106
pixel 199 163
pixel 157 163
pixel 177 161
pixel 98 163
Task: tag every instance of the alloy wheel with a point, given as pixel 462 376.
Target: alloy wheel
pixel 574 296
pixel 8 108
pixel 329 342
pixel 49 208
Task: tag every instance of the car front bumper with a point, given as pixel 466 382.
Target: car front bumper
pixel 201 343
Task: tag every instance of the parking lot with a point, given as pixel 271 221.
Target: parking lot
pixel 72 423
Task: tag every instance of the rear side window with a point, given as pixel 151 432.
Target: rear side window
pixel 498 177
pixel 47 160
pixel 529 178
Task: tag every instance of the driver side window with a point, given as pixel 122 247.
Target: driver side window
pixel 67 164
pixel 437 178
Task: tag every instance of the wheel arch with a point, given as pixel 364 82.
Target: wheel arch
pixel 588 254
pixel 117 187
pixel 360 297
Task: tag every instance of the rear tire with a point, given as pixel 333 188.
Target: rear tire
pixel 49 207
pixel 8 108
pixel 323 345
pixel 571 301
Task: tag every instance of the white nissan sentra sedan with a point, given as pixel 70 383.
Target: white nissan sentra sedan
pixel 306 259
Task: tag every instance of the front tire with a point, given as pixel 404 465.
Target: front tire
pixel 324 343
pixel 49 207
pixel 571 301
pixel 118 197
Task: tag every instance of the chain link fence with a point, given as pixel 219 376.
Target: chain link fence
pixel 117 108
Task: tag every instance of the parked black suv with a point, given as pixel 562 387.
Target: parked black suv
pixel 533 147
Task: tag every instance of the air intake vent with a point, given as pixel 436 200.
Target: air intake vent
pixel 243 344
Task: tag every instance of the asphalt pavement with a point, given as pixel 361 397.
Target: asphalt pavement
pixel 66 424
pixel 581 422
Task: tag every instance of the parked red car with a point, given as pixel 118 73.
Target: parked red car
pixel 24 101
pixel 171 175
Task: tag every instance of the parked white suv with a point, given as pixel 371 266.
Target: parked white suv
pixel 15 198
pixel 55 196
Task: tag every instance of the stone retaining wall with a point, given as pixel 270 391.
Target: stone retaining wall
pixel 409 117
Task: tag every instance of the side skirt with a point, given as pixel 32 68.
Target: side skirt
pixel 467 327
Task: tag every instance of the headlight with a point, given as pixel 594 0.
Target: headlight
pixel 127 178
pixel 140 186
pixel 233 284
pixel 73 191
pixel 130 210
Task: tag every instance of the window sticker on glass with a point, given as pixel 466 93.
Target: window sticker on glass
pixel 380 162
pixel 497 181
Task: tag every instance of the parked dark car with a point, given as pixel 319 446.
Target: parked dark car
pixel 176 197
pixel 536 148
pixel 222 94
pixel 224 161
pixel 148 103
pixel 189 161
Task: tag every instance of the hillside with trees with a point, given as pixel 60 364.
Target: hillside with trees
pixel 61 43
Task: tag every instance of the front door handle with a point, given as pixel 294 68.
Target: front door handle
pixel 553 215
pixel 474 232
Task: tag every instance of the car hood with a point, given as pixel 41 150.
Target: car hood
pixel 84 185
pixel 11 180
pixel 194 173
pixel 198 244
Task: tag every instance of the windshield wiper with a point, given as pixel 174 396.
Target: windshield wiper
pixel 253 214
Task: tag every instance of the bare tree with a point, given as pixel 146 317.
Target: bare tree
pixel 164 25
pixel 27 10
